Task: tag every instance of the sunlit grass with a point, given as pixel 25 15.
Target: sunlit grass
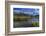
pixel 35 24
pixel 21 18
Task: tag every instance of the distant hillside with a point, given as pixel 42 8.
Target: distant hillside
pixel 23 14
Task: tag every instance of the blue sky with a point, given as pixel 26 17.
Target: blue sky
pixel 30 11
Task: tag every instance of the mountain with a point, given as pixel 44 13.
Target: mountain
pixel 26 11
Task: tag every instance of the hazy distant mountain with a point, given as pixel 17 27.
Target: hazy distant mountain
pixel 26 11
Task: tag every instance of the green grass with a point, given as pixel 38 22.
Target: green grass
pixel 24 18
pixel 20 18
pixel 35 24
